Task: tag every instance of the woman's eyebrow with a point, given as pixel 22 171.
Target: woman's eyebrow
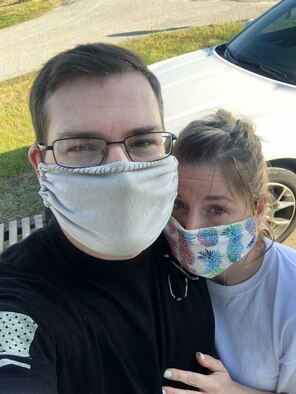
pixel 218 197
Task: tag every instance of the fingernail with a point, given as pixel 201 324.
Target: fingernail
pixel 163 391
pixel 201 355
pixel 167 374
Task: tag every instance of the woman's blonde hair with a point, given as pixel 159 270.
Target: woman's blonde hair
pixel 229 143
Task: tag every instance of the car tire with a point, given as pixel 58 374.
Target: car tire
pixel 281 212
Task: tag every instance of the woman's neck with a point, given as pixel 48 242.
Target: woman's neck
pixel 243 269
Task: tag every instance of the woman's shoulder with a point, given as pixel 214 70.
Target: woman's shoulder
pixel 280 249
pixel 281 259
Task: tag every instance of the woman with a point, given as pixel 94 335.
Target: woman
pixel 218 230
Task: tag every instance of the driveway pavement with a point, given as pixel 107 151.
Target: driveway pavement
pixel 25 47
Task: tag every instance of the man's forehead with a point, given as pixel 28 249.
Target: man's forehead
pixel 101 81
pixel 121 105
pixel 105 92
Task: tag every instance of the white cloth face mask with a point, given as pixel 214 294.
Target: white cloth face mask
pixel 117 209
pixel 210 251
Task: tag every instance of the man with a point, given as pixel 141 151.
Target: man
pixel 92 302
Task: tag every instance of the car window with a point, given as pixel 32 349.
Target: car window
pixel 268 45
pixel 282 23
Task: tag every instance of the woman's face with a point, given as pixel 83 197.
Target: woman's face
pixel 205 199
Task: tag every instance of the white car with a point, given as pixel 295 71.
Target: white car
pixel 254 75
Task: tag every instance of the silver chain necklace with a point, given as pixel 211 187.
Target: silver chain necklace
pixel 186 283
pixel 172 293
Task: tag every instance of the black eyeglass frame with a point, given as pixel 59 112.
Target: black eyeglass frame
pixel 42 147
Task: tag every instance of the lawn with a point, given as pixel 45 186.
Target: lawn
pixel 17 11
pixel 18 183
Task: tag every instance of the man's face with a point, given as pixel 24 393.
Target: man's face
pixel 111 109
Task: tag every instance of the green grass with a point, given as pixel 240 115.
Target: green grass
pixel 18 183
pixel 161 46
pixel 17 11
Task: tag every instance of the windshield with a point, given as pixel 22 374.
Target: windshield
pixel 267 46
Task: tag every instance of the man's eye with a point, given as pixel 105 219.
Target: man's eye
pixel 141 144
pixel 82 148
pixel 144 143
pixel 178 204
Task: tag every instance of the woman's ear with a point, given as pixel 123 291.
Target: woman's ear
pixel 35 158
pixel 261 208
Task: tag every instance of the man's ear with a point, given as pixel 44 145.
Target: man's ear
pixel 35 158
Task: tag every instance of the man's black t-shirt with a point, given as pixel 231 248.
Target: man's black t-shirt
pixel 74 324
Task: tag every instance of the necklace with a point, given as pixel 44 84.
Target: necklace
pixel 171 289
pixel 186 283
pixel 181 269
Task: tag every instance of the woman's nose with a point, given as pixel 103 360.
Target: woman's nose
pixel 192 222
pixel 115 153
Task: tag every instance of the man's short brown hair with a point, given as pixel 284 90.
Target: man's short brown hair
pixel 97 60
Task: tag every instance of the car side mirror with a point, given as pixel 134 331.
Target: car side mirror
pixel 248 23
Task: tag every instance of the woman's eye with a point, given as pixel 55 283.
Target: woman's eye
pixel 217 211
pixel 178 204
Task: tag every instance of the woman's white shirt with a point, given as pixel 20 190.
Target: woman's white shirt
pixel 256 323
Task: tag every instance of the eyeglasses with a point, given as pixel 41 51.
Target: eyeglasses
pixel 89 152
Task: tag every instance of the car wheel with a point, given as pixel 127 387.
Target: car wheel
pixel 281 212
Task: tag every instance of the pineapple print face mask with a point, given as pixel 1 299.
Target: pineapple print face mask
pixel 209 251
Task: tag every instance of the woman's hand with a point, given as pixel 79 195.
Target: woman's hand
pixel 217 382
